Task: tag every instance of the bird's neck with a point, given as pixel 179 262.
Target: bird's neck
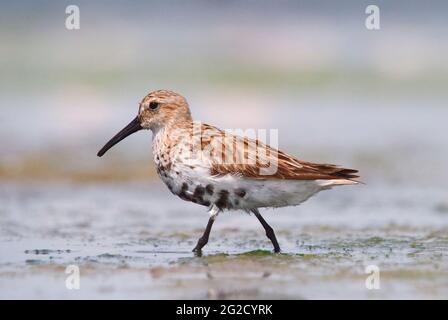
pixel 174 128
pixel 178 122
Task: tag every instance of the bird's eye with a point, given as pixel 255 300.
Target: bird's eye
pixel 153 105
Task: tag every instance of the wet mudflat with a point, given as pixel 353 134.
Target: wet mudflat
pixel 135 241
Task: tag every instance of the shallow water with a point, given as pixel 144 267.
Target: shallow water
pixel 135 241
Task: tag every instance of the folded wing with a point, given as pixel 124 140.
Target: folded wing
pixel 231 154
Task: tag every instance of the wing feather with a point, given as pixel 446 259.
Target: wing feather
pixel 253 159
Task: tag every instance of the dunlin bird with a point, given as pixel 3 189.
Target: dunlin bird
pixel 208 166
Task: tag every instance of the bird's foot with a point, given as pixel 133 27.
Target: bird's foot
pixel 201 243
pixel 197 252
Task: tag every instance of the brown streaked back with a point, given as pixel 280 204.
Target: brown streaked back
pixel 288 167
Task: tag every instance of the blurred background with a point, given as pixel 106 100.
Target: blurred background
pixel 336 91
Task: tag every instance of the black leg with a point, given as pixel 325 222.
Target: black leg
pixel 269 231
pixel 204 239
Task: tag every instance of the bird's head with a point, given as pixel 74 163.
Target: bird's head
pixel 157 110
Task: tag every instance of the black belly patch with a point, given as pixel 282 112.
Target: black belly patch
pixel 183 192
pixel 199 193
pixel 197 197
pixel 209 188
pixel 223 200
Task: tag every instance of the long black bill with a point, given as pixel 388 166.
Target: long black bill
pixel 131 128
